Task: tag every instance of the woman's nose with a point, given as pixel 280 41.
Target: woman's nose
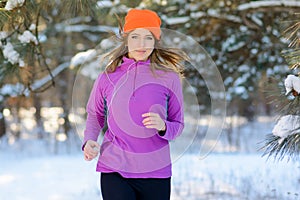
pixel 142 43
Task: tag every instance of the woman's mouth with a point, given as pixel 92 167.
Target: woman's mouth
pixel 140 51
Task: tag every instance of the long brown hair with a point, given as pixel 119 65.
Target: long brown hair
pixel 161 58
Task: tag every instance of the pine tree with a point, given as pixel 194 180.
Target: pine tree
pixel 27 31
pixel 285 138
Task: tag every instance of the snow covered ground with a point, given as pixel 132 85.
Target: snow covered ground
pixel 234 170
pixel 218 176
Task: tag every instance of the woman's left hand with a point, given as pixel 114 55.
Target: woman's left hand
pixel 153 120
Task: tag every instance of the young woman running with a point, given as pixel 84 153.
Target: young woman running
pixel 139 96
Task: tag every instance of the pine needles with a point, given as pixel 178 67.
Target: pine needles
pixel 280 148
pixel 288 146
pixel 291 34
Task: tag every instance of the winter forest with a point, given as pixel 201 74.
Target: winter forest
pixel 241 96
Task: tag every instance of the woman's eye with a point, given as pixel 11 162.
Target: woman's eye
pixel 134 37
pixel 149 38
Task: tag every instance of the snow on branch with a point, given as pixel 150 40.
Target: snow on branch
pixel 12 55
pixel 13 90
pixel 83 57
pixel 214 13
pixel 84 28
pixel 197 15
pixel 41 82
pixel 260 4
pixel 176 20
pixel 27 37
pixel 12 4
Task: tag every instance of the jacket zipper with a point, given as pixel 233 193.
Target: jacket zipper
pixel 134 79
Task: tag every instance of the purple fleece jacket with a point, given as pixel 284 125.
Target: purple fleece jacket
pixel 123 96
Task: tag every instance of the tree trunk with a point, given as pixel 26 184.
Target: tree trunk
pixel 38 117
pixel 64 94
pixel 2 122
pixel 66 106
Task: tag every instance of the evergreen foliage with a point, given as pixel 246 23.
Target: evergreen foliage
pixel 286 104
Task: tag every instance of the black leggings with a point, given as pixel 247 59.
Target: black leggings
pixel 116 187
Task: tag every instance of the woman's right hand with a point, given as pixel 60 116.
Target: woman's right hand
pixel 91 150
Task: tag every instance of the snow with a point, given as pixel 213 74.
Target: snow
pixel 256 18
pixel 107 43
pixel 27 37
pixel 232 44
pixel 242 79
pixel 213 13
pixel 259 4
pixel 11 90
pixel 92 69
pixel 104 4
pixel 14 90
pixel 3 35
pixel 83 57
pixel 12 55
pixel 218 176
pixel 236 46
pixel 32 27
pixel 292 82
pixel 77 20
pixel 240 90
pixel 228 80
pixel 30 171
pixel 176 20
pixel 84 28
pixel 244 68
pixel 287 125
pixel 90 63
pixel 197 15
pixel 12 4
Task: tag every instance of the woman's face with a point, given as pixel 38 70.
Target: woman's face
pixel 140 44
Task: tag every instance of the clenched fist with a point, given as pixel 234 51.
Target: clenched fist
pixel 153 120
pixel 91 150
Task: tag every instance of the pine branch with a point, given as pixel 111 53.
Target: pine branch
pixel 291 34
pixel 287 104
pixel 275 95
pixel 79 7
pixel 284 105
pixel 280 148
pixel 292 57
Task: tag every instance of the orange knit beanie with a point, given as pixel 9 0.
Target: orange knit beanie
pixel 143 19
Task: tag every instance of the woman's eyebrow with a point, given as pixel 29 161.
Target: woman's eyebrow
pixel 140 34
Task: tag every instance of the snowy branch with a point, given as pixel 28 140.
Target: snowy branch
pixel 260 4
pixel 199 15
pixel 41 82
pixel 84 28
pixel 13 90
pixel 212 13
pixel 176 20
pixel 12 4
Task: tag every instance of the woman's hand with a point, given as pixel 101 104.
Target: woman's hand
pixel 91 150
pixel 153 120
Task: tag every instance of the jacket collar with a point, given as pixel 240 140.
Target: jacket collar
pixel 129 63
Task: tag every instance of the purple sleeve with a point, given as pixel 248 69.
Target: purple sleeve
pixel 95 113
pixel 175 114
